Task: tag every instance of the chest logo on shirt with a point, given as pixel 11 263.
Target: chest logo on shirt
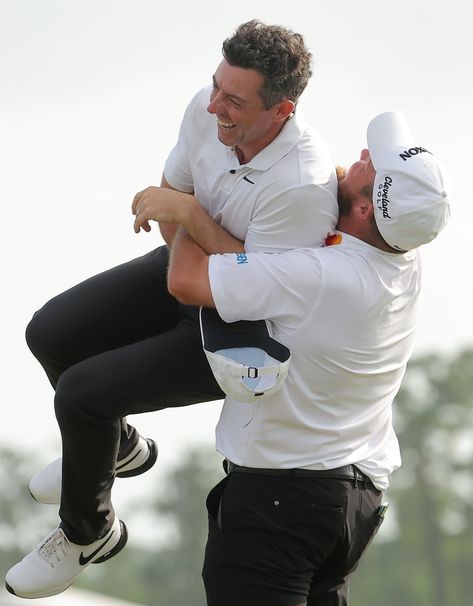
pixel 241 258
pixel 333 239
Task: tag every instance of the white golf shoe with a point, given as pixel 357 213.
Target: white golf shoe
pixel 45 485
pixel 54 564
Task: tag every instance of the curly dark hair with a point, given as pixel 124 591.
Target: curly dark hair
pixel 275 52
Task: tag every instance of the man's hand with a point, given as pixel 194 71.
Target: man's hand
pixel 169 206
pixel 161 204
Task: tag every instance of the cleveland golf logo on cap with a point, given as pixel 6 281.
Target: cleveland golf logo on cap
pixel 410 202
pixel 383 199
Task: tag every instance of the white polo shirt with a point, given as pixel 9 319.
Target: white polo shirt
pixel 347 313
pixel 284 198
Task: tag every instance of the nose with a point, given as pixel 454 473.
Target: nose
pixel 214 104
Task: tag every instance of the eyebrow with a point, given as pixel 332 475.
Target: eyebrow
pixel 230 95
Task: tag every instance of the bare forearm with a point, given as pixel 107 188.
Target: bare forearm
pixel 210 236
pixel 192 236
pixel 188 278
pixel 170 208
pixel 168 232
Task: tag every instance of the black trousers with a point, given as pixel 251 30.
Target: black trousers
pixel 114 345
pixel 286 541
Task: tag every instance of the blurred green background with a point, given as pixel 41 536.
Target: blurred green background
pixel 422 556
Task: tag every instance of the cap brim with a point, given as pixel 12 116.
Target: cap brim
pixel 218 334
pixel 247 363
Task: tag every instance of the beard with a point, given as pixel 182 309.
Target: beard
pixel 343 198
pixel 345 201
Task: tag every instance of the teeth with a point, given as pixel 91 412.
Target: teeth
pixel 225 124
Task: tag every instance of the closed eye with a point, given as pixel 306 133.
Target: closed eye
pixel 234 102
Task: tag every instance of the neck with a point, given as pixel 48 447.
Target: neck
pixel 246 152
pixel 366 232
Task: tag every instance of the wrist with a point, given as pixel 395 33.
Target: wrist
pixel 191 211
pixel 186 210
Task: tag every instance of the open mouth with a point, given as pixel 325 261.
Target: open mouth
pixel 225 125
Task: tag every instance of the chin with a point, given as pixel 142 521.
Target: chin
pixel 225 139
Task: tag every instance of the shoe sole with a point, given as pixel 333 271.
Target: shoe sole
pixel 43 595
pixel 150 461
pixel 122 541
pixel 45 502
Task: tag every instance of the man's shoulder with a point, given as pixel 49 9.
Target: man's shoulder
pixel 312 148
pixel 309 140
pixel 201 99
pixel 196 116
pixel 303 169
pixel 351 263
pixel 198 131
pixel 308 161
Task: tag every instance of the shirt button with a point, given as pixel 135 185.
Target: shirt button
pixel 276 503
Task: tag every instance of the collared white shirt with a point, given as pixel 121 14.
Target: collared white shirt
pixel 347 313
pixel 285 197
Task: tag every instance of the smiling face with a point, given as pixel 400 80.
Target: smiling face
pixel 357 182
pixel 242 120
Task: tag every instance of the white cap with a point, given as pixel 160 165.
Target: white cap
pixel 410 196
pixel 247 363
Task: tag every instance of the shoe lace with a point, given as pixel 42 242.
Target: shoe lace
pixel 54 547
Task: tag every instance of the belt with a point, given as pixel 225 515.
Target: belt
pixel 348 472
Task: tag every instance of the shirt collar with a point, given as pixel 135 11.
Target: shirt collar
pixel 352 241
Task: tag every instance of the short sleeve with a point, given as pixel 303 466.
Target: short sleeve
pixel 256 286
pixel 178 167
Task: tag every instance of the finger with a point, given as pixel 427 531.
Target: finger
pixel 145 226
pixel 141 223
pixel 137 225
pixel 136 201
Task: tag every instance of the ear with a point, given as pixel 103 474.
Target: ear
pixel 363 208
pixel 284 109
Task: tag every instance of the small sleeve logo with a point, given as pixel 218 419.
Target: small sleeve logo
pixel 241 258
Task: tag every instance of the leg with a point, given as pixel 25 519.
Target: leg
pixel 165 370
pixel 115 308
pixel 267 535
pixel 117 344
pixel 331 581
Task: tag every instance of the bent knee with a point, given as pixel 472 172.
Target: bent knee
pixel 80 395
pixel 36 332
pixel 44 334
pixel 72 394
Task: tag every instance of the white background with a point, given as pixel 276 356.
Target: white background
pixel 91 97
